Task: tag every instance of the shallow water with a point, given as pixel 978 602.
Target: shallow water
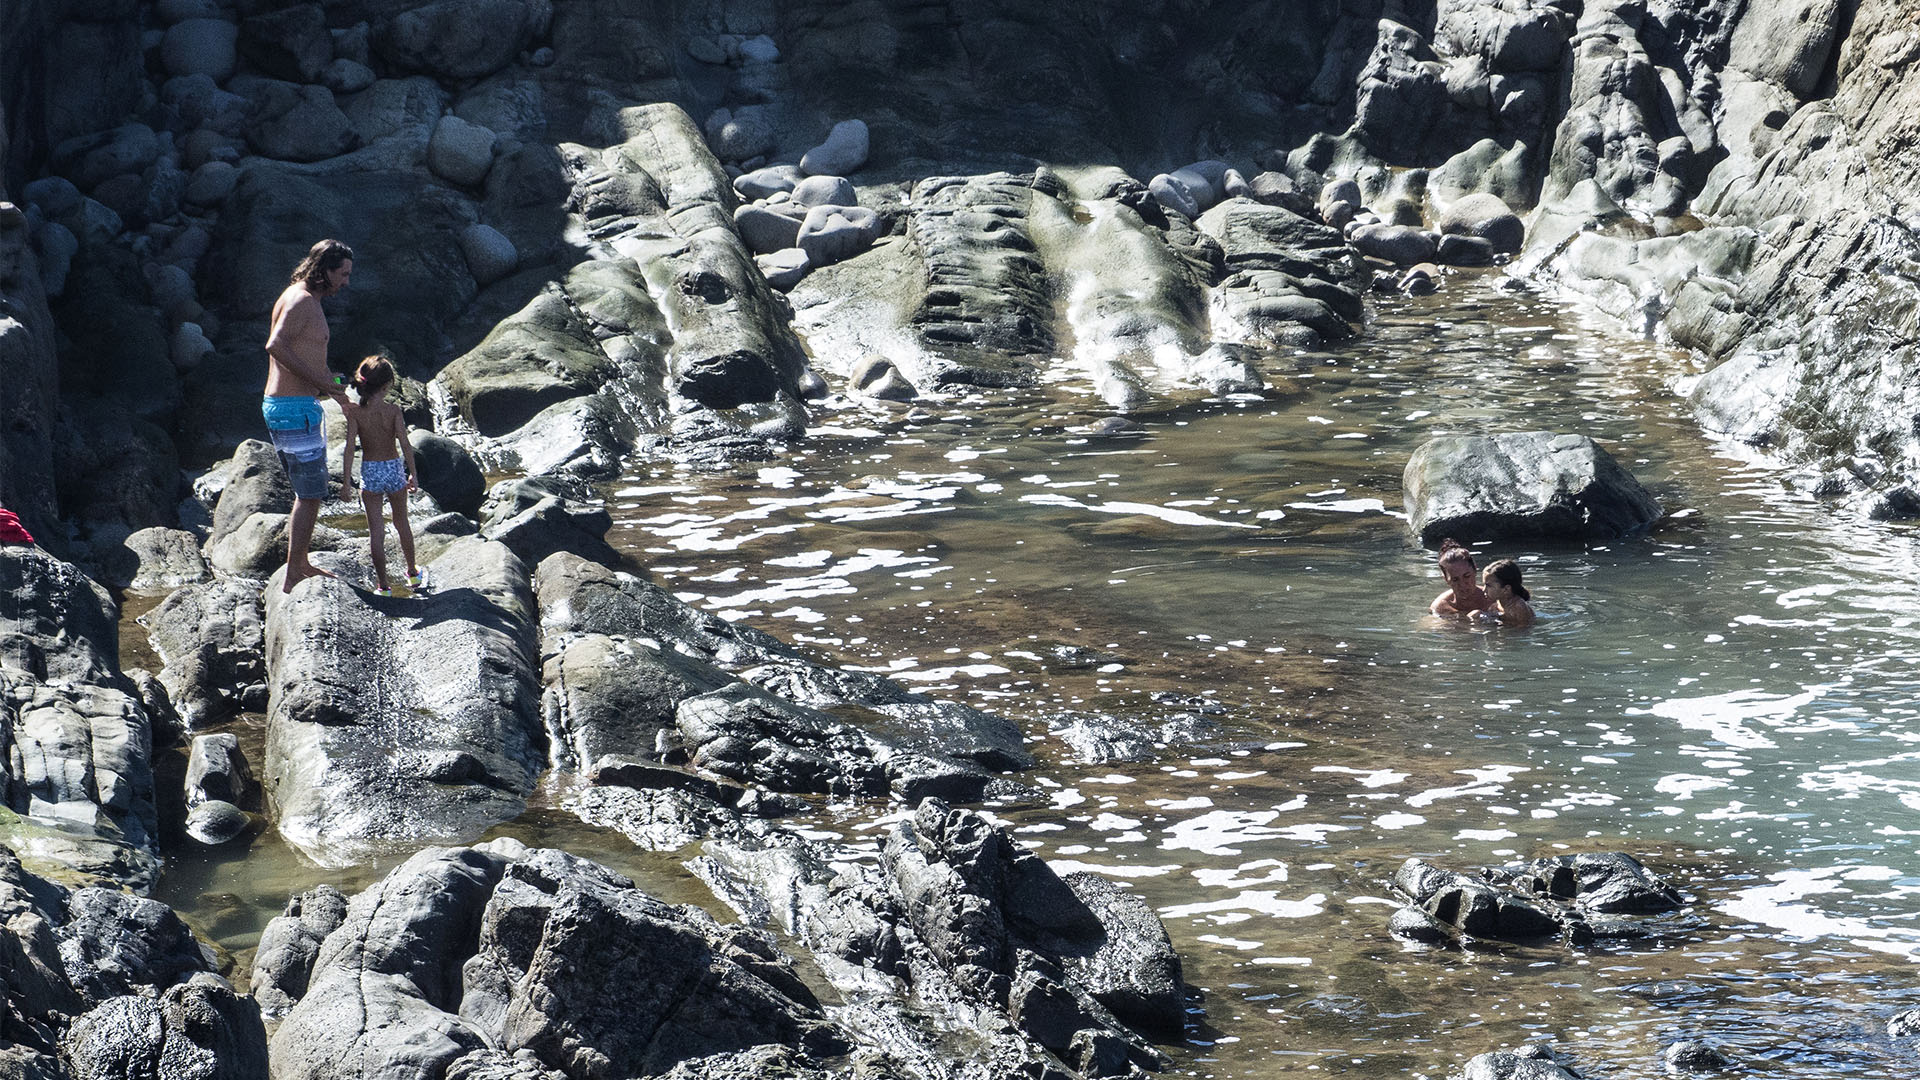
pixel 1728 698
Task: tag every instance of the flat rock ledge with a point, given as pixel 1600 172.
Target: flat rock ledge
pixel 1522 486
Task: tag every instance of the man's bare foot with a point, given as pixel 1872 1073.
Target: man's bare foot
pixel 305 571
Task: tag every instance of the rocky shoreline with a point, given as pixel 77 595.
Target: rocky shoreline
pixel 591 234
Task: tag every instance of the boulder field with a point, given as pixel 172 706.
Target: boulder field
pixel 600 232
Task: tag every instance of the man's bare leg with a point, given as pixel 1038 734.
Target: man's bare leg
pixel 300 534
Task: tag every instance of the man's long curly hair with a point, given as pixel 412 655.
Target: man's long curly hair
pixel 322 259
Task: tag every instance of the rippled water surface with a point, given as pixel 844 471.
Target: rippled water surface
pixel 1233 585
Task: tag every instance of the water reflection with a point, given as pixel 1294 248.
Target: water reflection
pixel 1730 698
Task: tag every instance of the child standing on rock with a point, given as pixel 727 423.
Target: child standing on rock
pixel 379 429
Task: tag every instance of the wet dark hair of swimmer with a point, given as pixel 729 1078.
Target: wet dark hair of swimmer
pixel 1452 550
pixel 1507 572
pixel 374 373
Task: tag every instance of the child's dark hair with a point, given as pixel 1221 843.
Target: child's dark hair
pixel 1451 549
pixel 1507 572
pixel 374 374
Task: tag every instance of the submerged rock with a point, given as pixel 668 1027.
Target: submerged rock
pixel 1522 486
pixel 1585 897
pixel 634 671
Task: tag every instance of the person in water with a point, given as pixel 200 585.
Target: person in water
pixel 1463 595
pixel 1510 599
pixel 377 425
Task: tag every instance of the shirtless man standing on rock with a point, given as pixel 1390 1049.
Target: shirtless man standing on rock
pixel 297 377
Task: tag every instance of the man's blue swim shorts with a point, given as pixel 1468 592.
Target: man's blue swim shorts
pixel 299 431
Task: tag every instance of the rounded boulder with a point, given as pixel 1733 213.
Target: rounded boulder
pixel 844 151
pixel 207 47
pixel 461 152
pixel 1487 217
pixel 1522 485
pixel 490 255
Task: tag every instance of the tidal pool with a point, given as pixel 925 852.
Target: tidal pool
pixel 1232 583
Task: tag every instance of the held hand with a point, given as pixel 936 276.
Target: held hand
pixel 413 484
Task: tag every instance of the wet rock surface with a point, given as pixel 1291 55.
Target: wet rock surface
pixel 402 720
pixel 1532 485
pixel 211 639
pixel 633 671
pixel 1032 970
pixel 1580 898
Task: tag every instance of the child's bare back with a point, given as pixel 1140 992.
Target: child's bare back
pixel 379 426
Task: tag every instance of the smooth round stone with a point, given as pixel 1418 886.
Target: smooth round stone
pixel 460 151
pixel 211 183
pixel 759 49
pixel 825 191
pixel 201 47
pixel 490 255
pixel 783 269
pixel 832 234
pixel 844 151
pixel 188 346
pixel 56 196
pixel 1172 192
pixel 740 134
pixel 766 231
pixel 217 822
pixel 765 183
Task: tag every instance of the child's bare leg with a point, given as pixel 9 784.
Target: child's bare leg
pixel 377 534
pixel 405 528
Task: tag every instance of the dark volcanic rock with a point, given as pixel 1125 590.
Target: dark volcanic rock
pixel 559 933
pixel 211 639
pixel 198 1030
pixel 1527 485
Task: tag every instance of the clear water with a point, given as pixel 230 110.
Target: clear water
pixel 1728 698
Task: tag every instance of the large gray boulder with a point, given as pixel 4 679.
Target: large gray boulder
pixel 403 721
pixel 461 40
pixel 211 639
pixel 1289 280
pixel 560 933
pixel 380 997
pixel 1525 485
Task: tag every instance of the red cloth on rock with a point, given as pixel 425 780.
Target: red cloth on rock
pixel 11 531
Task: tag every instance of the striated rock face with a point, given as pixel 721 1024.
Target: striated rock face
pixel 77 779
pixel 402 723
